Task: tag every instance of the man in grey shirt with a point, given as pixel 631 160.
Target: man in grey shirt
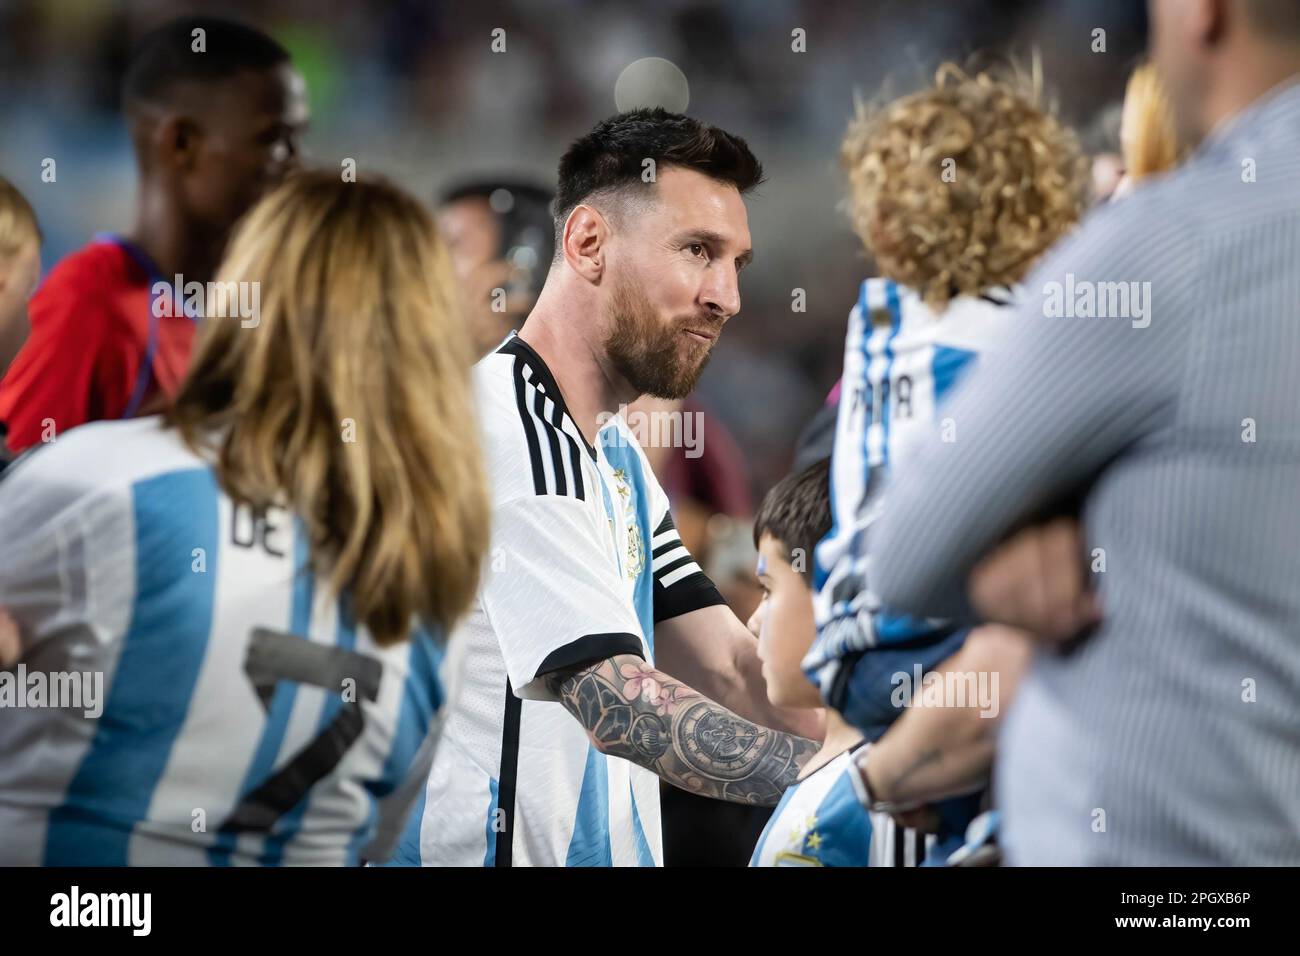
pixel 1155 376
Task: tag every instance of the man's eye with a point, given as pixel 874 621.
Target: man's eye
pixel 697 248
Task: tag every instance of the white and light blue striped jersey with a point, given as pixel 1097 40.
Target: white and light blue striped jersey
pixel 584 561
pixel 819 822
pixel 900 361
pixel 244 717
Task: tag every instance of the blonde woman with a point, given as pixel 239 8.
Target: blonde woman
pixel 248 593
pixel 955 191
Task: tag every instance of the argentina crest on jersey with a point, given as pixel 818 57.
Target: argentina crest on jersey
pixel 635 549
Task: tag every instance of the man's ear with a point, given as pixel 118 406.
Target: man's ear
pixel 173 142
pixel 586 236
pixel 1209 20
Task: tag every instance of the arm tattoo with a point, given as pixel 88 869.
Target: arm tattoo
pixel 633 711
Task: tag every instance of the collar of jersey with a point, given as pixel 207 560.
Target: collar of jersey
pixel 514 345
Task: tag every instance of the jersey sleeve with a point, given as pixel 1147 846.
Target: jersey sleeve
pixel 551 596
pixel 75 366
pixel 61 567
pixel 680 585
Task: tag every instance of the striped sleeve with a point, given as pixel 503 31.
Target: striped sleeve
pixel 680 584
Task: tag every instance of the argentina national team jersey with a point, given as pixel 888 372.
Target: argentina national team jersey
pixel 819 822
pixel 900 360
pixel 241 716
pixel 584 561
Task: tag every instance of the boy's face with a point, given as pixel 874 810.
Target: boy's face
pixel 783 624
pixel 18 277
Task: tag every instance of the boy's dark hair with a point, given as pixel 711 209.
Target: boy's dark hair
pixel 165 57
pixel 612 155
pixel 797 512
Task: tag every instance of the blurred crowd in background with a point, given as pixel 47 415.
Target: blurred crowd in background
pixel 414 90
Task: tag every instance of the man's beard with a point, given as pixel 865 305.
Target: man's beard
pixel 647 352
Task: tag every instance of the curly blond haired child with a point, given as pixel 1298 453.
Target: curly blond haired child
pixel 955 190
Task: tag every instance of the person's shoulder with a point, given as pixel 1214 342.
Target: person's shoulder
pixel 82 284
pixel 501 409
pixel 1151 234
pixel 87 270
pixel 104 456
pixel 1162 212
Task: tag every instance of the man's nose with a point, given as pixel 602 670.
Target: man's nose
pixel 721 293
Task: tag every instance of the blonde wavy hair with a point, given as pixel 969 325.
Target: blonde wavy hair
pixel 958 188
pixel 1148 131
pixel 349 401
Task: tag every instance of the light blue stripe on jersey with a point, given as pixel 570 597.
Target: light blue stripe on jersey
pixel 590 843
pixel 844 826
pixel 643 855
pixel 622 456
pixel 282 700
pixel 287 827
pixel 947 365
pixel 887 400
pixel 490 855
pixel 162 654
pixel 868 395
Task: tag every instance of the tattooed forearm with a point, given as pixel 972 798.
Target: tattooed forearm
pixel 633 711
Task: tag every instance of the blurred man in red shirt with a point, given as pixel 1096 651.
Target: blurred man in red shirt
pixel 215 110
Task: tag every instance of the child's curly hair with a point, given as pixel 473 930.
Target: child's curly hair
pixel 1016 182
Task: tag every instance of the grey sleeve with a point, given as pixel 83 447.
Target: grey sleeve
pixel 1038 420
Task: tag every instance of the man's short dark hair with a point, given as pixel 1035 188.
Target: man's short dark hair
pixel 165 58
pixel 612 156
pixel 797 512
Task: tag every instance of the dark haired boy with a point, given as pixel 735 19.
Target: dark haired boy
pixel 819 821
